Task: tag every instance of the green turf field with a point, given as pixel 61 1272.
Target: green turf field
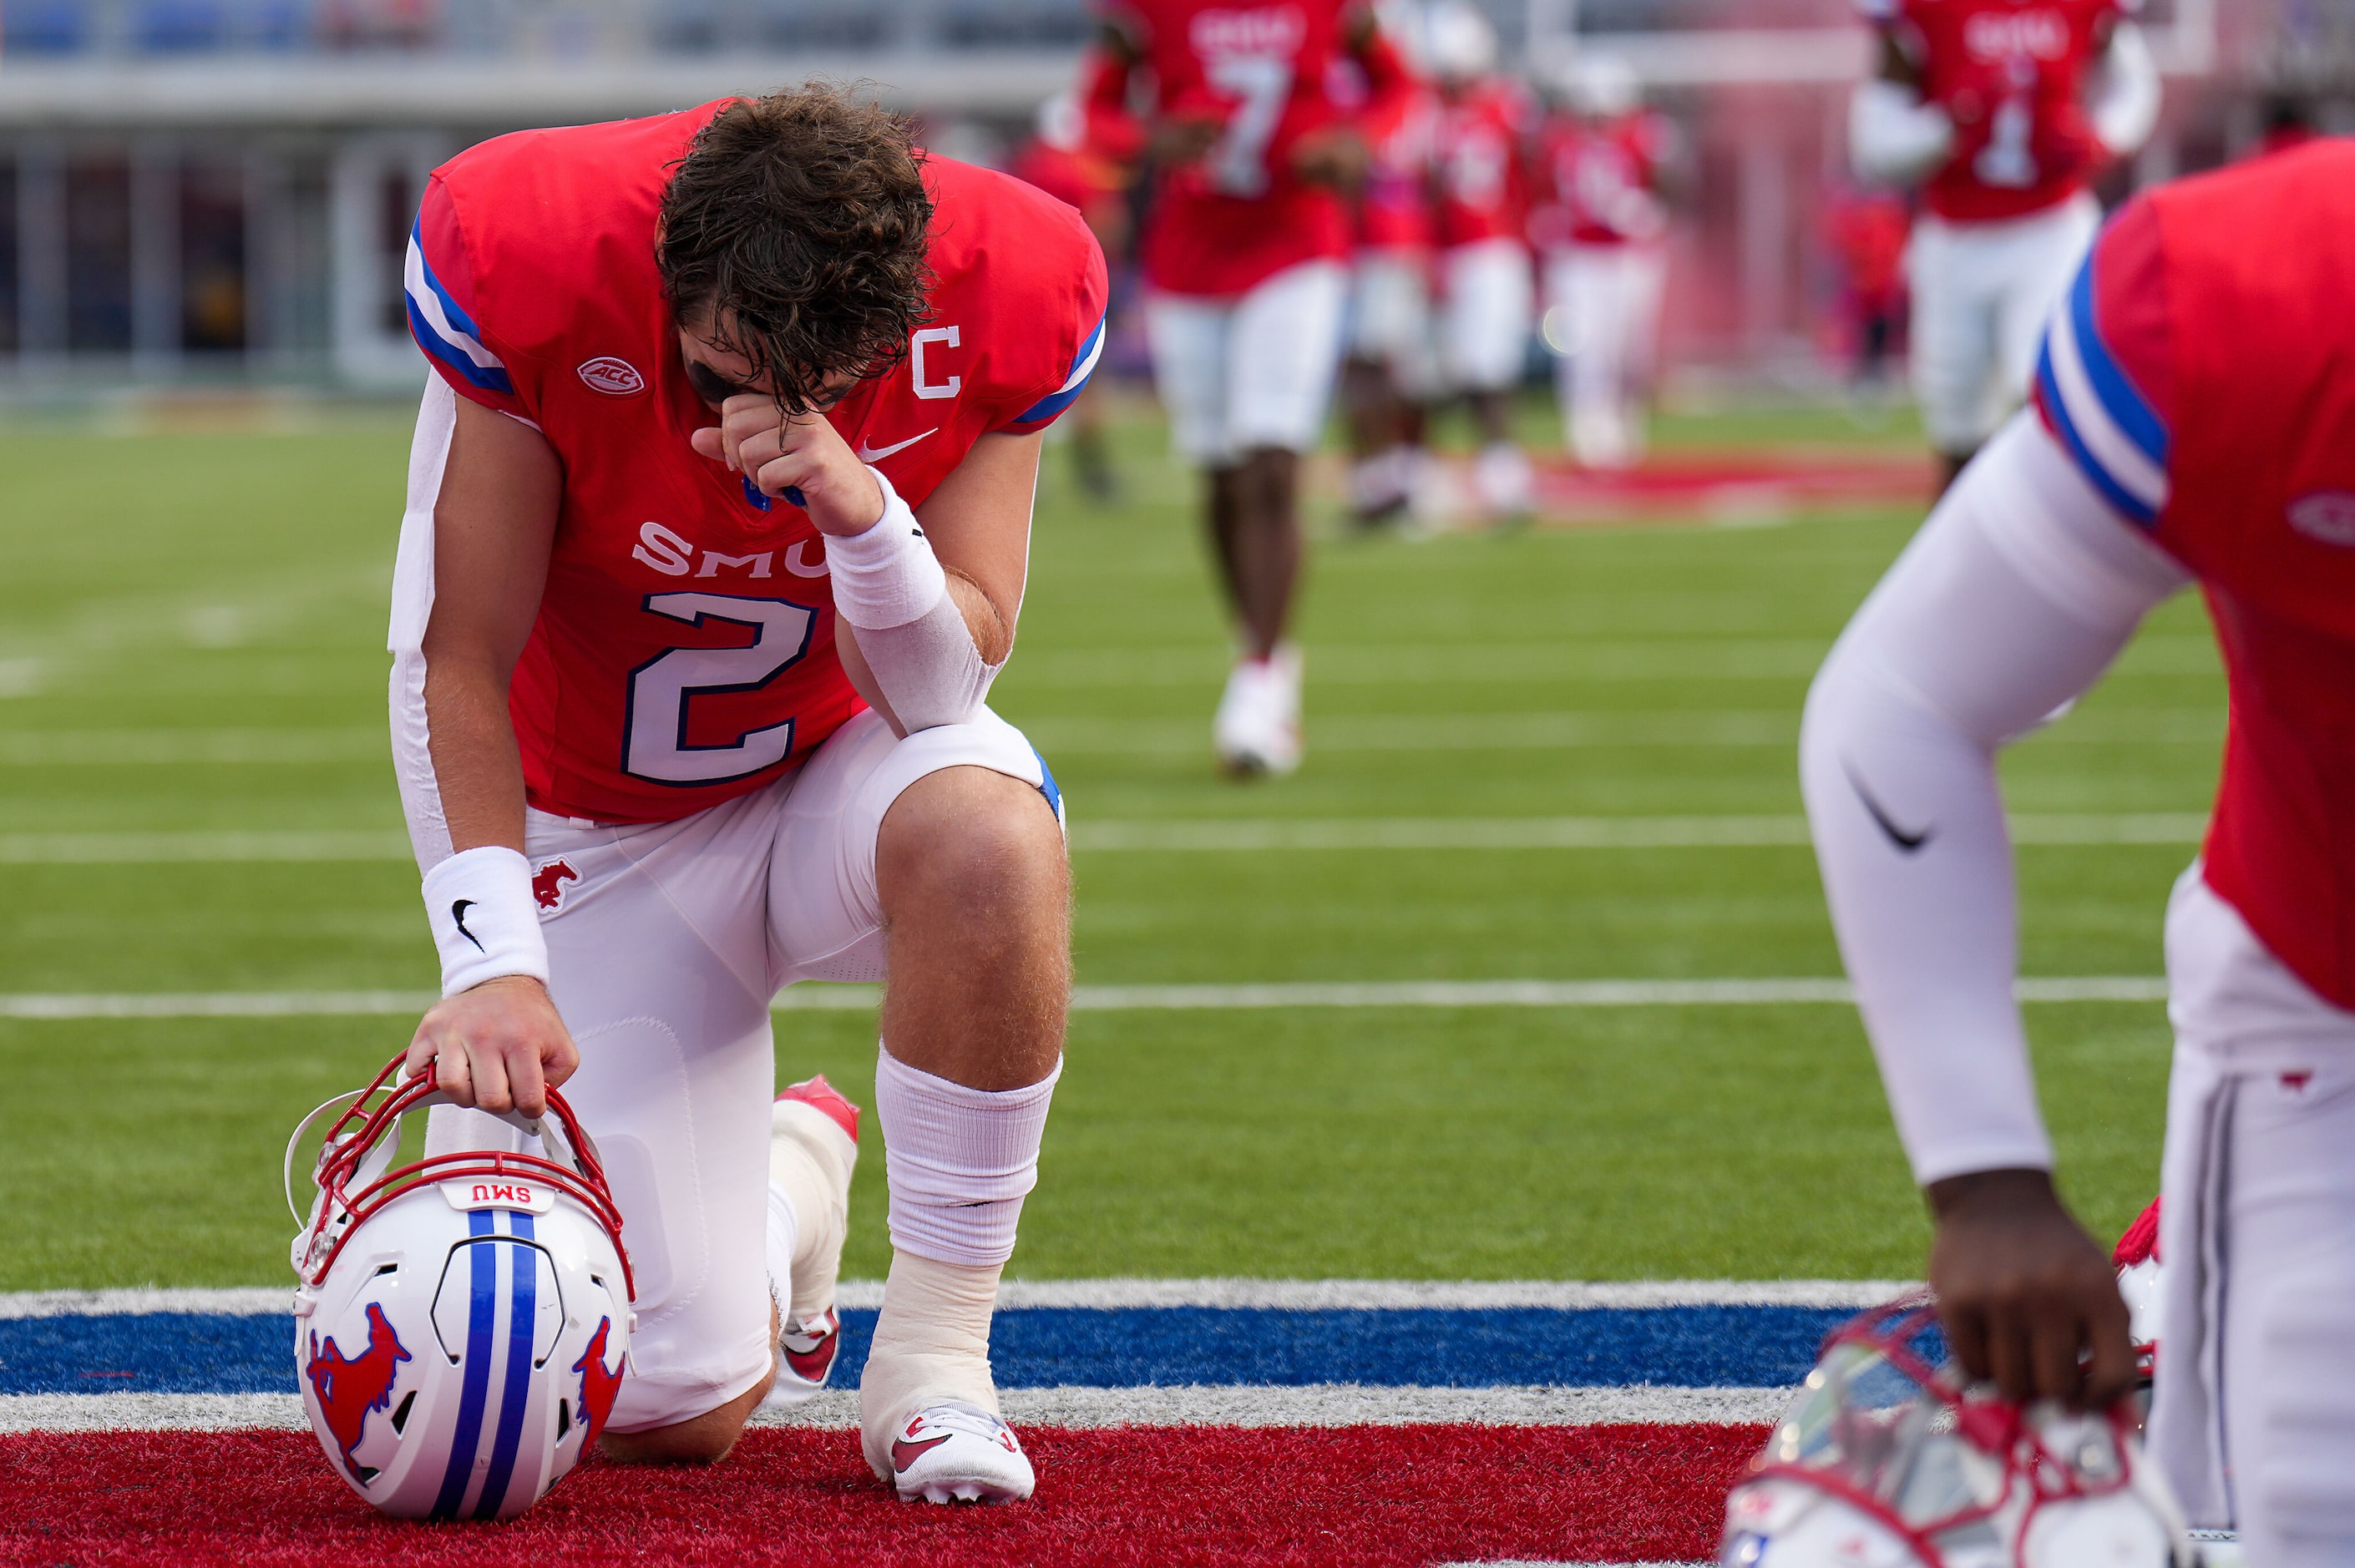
pixel 191 635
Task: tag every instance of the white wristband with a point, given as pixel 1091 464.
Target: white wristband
pixel 887 576
pixel 484 920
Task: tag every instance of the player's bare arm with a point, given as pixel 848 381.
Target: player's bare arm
pixel 499 1045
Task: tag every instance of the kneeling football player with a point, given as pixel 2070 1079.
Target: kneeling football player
pixel 2194 423
pixel 717 523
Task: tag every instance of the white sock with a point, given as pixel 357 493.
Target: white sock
pixel 931 1344
pixel 785 1236
pixel 959 1161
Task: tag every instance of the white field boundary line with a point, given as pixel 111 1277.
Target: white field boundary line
pixel 1280 1295
pixel 69 1006
pixel 1318 1404
pixel 1164 836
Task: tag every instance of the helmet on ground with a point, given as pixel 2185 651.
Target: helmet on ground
pixel 1459 43
pixel 1601 87
pixel 462 1323
pixel 1886 1460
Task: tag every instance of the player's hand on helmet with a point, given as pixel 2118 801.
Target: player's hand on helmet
pixel 2029 1300
pixel 499 1046
pixel 801 453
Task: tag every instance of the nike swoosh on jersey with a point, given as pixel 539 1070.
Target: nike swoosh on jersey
pixel 1906 842
pixel 877 454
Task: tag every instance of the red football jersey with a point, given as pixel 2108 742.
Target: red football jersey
pixel 1481 187
pixel 1394 210
pixel 684 648
pixel 1268 74
pixel 2198 373
pixel 2011 73
pixel 1599 183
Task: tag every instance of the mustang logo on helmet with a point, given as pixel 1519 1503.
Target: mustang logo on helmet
pixel 350 1387
pixel 473 1306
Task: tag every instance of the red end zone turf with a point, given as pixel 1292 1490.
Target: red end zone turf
pixel 1364 1496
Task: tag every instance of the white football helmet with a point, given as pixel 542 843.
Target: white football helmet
pixel 463 1322
pixel 1601 87
pixel 1459 43
pixel 1886 1461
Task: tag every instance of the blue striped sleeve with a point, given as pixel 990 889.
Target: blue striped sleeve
pixel 1083 364
pixel 2102 417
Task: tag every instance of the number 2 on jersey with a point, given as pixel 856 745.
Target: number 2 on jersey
pixel 1263 82
pixel 663 689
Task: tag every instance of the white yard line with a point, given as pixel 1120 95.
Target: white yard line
pixel 1178 835
pixel 1761 993
pixel 1321 1404
pixel 1283 1294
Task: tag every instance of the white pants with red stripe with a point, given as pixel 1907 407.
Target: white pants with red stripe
pixel 2254 1419
pixel 667 942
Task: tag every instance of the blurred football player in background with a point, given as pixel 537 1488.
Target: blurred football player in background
pixel 1245 256
pixel 1865 231
pixel 1487 286
pixel 1600 163
pixel 2001 111
pixel 2194 423
pixel 1391 372
pixel 1061 159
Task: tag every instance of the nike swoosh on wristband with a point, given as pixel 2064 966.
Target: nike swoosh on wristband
pixel 1906 842
pixel 458 912
pixel 877 454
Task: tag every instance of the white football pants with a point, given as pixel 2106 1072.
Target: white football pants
pixel 1390 319
pixel 1488 306
pixel 1239 375
pixel 667 942
pixel 1607 303
pixel 2254 1419
pixel 1981 294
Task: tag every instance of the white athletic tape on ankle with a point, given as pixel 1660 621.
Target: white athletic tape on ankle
pixel 931 1344
pixel 486 922
pixel 959 1161
pixel 887 576
pixel 784 1237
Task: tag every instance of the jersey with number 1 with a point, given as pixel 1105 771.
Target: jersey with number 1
pixel 1267 75
pixel 684 652
pixel 2011 75
pixel 2202 373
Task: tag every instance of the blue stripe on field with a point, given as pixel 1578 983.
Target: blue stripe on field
pixel 1686 1347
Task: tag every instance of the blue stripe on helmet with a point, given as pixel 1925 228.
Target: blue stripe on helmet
pixel 515 1398
pixel 2125 501
pixel 2126 405
pixel 483 1267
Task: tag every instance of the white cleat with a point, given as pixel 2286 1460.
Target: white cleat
pixel 1257 729
pixel 955 1452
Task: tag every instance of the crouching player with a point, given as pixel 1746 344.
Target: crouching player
pixel 717 517
pixel 2194 422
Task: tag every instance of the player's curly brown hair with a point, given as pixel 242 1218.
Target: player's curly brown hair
pixel 793 234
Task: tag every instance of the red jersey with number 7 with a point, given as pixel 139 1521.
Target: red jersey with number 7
pixel 1267 75
pixel 2011 74
pixel 684 652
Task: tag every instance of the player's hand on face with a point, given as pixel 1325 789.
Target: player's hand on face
pixel 2030 1302
pixel 801 453
pixel 497 1047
